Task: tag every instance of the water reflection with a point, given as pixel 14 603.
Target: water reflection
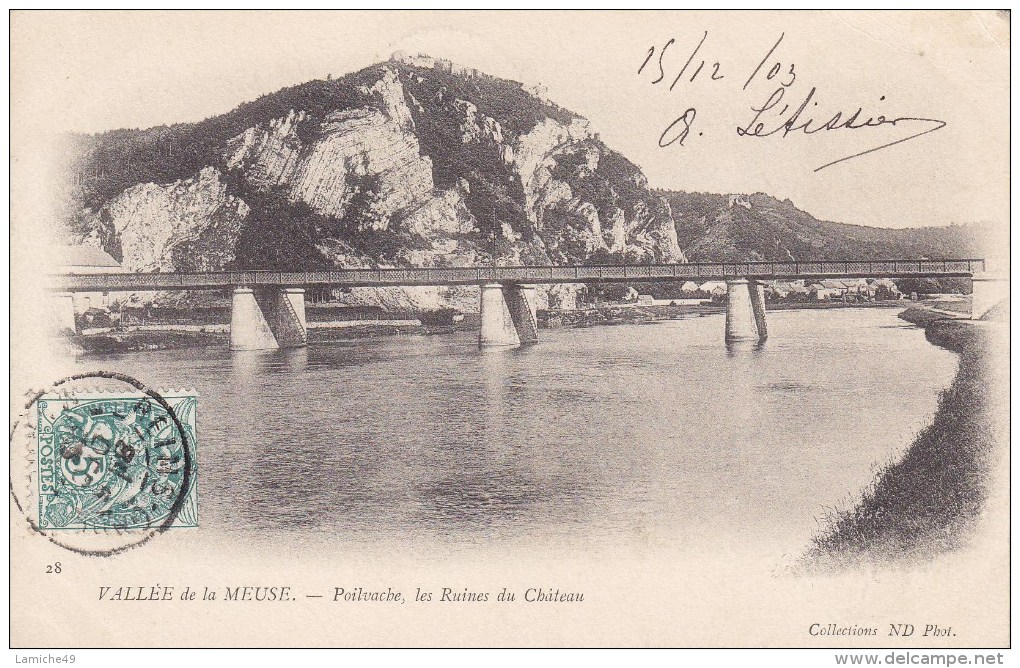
pixel 250 365
pixel 596 435
pixel 740 346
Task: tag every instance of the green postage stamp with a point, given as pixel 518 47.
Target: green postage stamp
pixel 117 461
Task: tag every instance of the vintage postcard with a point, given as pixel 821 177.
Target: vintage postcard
pixel 510 329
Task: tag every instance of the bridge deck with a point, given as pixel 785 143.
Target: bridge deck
pixel 702 271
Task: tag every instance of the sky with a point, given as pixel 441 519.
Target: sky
pixel 96 71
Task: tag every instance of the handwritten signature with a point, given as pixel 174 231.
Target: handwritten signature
pixel 774 117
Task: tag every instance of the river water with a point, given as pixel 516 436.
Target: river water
pixel 653 434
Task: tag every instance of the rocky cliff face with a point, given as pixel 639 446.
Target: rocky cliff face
pixel 188 225
pixel 414 162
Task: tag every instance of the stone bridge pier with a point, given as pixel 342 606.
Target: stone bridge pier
pixel 509 315
pixel 745 311
pixel 989 288
pixel 62 311
pixel 267 319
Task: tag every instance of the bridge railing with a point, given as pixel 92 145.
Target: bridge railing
pixel 762 270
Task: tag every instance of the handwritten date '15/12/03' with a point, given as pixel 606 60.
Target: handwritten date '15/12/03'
pixel 776 116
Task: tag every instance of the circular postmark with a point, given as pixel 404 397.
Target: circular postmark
pixel 101 464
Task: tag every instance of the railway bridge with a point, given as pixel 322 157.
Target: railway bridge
pixel 268 307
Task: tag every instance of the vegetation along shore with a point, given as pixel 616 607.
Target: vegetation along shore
pixel 930 500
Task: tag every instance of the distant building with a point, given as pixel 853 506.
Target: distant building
pixel 859 289
pixel 689 287
pixel 832 284
pixel 645 300
pixel 819 291
pixel 830 288
pixel 84 259
pixel 714 288
pixel 885 288
pixel 778 290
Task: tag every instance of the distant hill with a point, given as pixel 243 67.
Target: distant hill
pixel 419 162
pixel 714 227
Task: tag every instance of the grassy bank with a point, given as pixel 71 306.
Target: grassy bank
pixel 135 341
pixel 125 342
pixel 619 315
pixel 928 501
pixel 376 330
pixel 823 305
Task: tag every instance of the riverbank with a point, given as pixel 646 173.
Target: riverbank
pixel 930 500
pixel 209 330
pixel 626 314
pixel 622 315
pixel 822 305
pixel 113 342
